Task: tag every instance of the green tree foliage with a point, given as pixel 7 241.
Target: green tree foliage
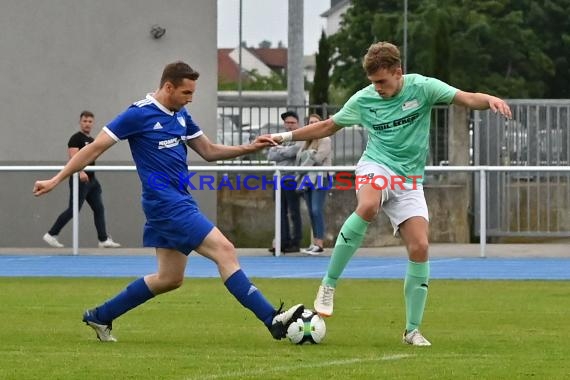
pixel 550 18
pixel 365 22
pixel 513 48
pixel 319 93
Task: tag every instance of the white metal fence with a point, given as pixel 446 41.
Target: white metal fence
pixel 482 172
pixel 525 203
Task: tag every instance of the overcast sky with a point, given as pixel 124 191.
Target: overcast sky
pixel 267 20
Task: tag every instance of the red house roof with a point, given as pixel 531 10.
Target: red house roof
pixel 274 58
pixel 228 70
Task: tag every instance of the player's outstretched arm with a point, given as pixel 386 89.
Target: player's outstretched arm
pixel 480 101
pixel 213 152
pixel 79 160
pixel 317 130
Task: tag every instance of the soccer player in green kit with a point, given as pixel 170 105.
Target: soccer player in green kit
pixel 395 109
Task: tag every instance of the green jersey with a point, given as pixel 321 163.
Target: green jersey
pixel 398 127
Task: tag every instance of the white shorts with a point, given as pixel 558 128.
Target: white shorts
pixel 399 204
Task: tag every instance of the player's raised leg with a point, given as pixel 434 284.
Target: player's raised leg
pixel 414 232
pixel 348 241
pixel 220 250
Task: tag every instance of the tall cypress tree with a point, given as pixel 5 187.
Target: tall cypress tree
pixel 319 93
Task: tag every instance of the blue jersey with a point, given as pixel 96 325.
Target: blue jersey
pixel 157 138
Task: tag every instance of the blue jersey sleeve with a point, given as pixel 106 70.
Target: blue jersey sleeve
pixel 125 125
pixel 192 129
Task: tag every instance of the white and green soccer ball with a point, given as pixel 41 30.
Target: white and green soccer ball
pixel 308 328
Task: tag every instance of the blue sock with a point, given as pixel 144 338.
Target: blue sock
pixel 249 296
pixel 136 293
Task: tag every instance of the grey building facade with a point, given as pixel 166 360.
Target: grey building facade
pixel 59 57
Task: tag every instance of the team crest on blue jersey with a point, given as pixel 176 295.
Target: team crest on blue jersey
pixel 182 121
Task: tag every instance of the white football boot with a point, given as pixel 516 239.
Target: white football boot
pixel 282 320
pixel 324 302
pixel 415 338
pixel 103 330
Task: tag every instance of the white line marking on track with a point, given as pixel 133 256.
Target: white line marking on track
pixel 360 269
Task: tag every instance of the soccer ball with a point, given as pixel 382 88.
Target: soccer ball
pixel 309 328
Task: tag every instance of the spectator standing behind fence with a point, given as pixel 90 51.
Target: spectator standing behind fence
pixel 89 190
pixel 285 155
pixel 316 152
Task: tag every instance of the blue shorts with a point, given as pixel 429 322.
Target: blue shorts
pixel 184 229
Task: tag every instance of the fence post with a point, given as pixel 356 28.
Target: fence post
pixel 458 142
pixel 75 186
pixel 482 211
pixel 277 189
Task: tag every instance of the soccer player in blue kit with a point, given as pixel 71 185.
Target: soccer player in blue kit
pixel 158 129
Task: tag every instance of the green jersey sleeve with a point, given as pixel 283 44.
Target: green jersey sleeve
pixel 349 114
pixel 439 92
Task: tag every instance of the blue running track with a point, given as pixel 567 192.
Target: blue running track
pixel 288 267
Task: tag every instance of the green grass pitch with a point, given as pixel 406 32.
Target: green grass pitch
pixel 479 330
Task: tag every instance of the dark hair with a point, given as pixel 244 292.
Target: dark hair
pixel 86 114
pixel 286 114
pixel 381 55
pixel 176 72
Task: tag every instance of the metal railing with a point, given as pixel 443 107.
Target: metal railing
pixel 526 204
pixel 277 170
pixel 239 124
pixel 519 204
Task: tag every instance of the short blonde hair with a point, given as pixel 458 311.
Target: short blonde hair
pixel 381 55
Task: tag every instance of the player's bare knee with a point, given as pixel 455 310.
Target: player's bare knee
pixel 228 246
pixel 418 250
pixel 226 255
pixel 367 210
pixel 175 283
pixel 228 260
pixel 171 282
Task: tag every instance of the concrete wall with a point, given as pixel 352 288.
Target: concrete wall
pixel 538 207
pixel 247 217
pixel 59 57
